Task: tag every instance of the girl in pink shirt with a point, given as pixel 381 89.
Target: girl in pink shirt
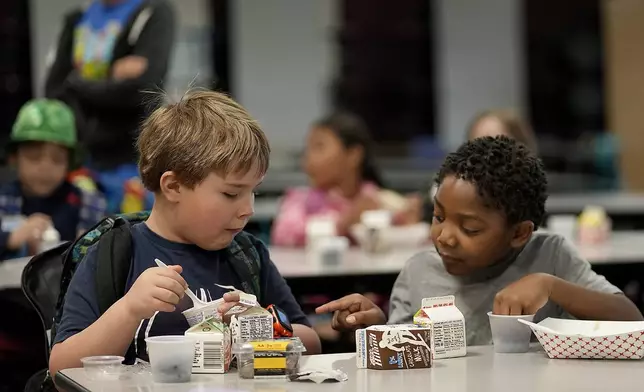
pixel 344 180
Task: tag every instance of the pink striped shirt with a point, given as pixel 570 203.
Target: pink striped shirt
pixel 300 204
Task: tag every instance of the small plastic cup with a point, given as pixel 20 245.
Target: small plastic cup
pixel 171 358
pixel 104 367
pixel 331 250
pixel 564 225
pixel 245 354
pixel 508 334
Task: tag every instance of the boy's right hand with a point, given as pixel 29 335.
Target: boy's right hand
pixel 30 232
pixel 156 289
pixel 353 311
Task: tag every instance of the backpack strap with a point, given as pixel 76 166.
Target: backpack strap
pixel 245 261
pixel 114 257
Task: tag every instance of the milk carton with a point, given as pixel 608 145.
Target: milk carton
pixel 251 324
pixel 447 324
pixel 212 347
pixel 387 347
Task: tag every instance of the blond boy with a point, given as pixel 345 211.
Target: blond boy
pixel 202 157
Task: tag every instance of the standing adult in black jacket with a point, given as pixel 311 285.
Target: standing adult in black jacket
pixel 109 53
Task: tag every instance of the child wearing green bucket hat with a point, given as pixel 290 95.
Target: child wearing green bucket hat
pixel 42 148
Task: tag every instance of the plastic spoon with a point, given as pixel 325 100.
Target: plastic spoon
pixel 196 302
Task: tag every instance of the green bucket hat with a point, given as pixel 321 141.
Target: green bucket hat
pixel 45 120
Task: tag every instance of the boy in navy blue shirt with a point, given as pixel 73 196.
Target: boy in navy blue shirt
pixel 202 158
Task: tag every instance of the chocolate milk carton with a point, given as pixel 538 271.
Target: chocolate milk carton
pixel 386 347
pixel 447 324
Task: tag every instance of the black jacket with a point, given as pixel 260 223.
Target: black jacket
pixel 109 112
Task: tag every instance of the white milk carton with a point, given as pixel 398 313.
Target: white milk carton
pixel 212 347
pixel 447 324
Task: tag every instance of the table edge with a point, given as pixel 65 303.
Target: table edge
pixel 67 383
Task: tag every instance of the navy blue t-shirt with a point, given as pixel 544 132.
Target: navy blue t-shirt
pixel 201 270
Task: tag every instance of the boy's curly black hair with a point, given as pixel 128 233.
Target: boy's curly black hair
pixel 508 176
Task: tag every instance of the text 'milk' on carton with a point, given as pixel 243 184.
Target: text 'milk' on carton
pixel 386 347
pixel 447 324
pixel 212 347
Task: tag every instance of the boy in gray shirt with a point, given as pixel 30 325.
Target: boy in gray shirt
pixel 490 201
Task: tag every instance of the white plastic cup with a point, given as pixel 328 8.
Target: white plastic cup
pixel 331 250
pixel 376 219
pixel 318 228
pixel 508 334
pixel 103 367
pixel 171 358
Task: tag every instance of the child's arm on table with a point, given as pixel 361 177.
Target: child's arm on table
pixel 28 233
pixel 364 202
pixel 583 303
pixel 356 311
pixel 353 311
pixel 156 289
pixel 531 293
pixel 574 286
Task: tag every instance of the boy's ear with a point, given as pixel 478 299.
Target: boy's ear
pixel 170 186
pixel 522 233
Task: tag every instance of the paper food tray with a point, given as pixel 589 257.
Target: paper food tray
pixel 580 339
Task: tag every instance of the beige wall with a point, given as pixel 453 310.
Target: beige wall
pixel 624 60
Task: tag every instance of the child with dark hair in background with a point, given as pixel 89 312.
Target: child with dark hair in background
pixel 339 161
pixel 490 201
pixel 42 148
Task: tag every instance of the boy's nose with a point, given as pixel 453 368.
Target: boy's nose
pixel 248 208
pixel 447 238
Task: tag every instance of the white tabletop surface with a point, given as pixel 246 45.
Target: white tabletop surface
pixel 11 272
pixel 614 202
pixel 622 248
pixel 481 370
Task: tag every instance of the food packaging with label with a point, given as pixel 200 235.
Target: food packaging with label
pixel 212 346
pixel 249 324
pixel 447 324
pixel 268 358
pixel 388 347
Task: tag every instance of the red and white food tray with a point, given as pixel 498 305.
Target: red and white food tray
pixel 576 339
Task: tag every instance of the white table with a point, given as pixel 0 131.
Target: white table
pixel 481 370
pixel 11 272
pixel 614 202
pixel 623 248
pixel 297 263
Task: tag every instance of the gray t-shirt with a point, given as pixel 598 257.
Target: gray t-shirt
pixel 424 276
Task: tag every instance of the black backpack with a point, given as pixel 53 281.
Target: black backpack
pixel 114 256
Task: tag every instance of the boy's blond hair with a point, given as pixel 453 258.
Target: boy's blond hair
pixel 204 132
